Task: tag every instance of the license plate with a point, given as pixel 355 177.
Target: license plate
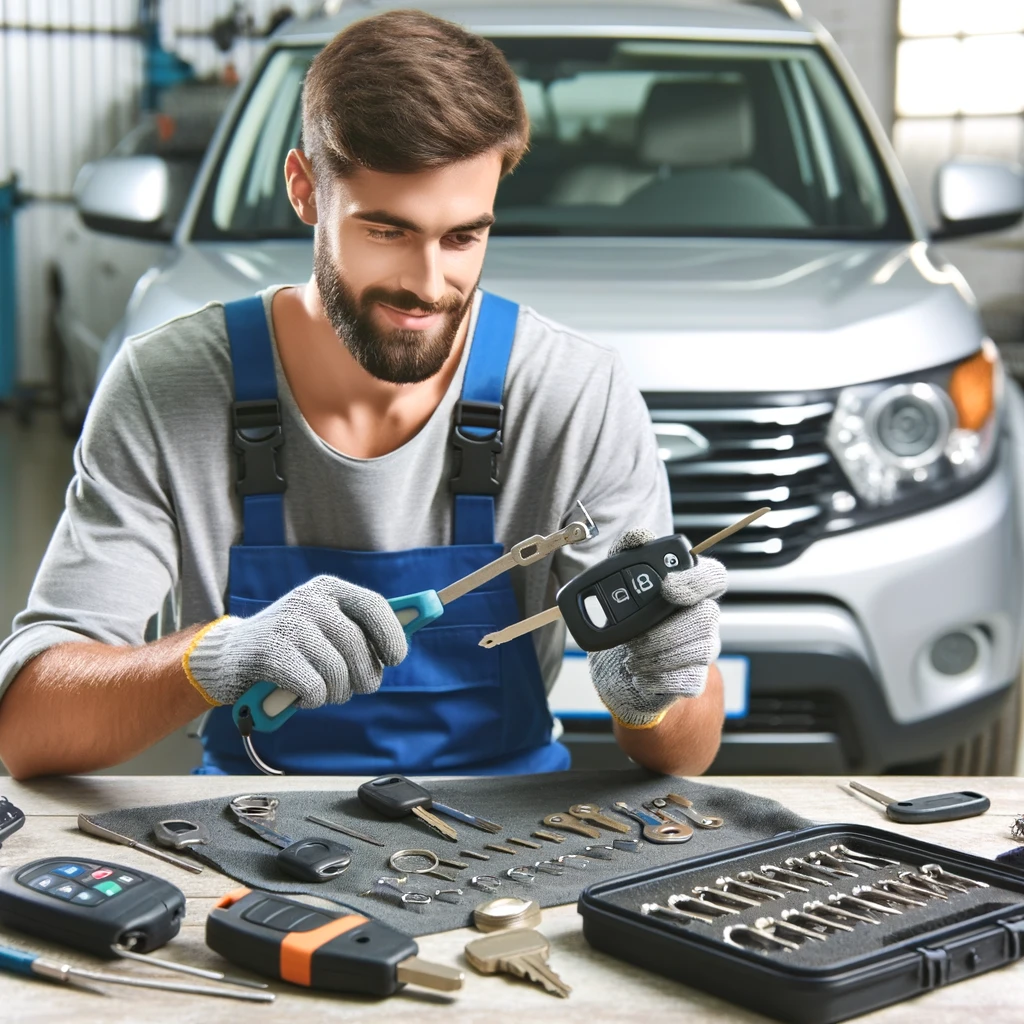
pixel 735 671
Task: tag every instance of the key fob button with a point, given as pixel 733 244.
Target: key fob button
pixel 88 897
pixel 617 597
pixel 44 882
pixel 70 870
pixel 66 890
pixel 644 583
pixel 593 610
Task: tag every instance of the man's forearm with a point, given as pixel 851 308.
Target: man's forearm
pixel 686 740
pixel 81 706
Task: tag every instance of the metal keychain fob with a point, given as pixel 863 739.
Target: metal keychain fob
pixel 620 598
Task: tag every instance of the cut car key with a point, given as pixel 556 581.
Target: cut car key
pixel 395 796
pixel 619 598
pixel 265 707
pixel 309 860
pixel 923 809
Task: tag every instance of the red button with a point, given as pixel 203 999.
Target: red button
pixel 101 873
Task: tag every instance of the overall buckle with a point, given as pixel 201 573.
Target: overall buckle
pixel 257 439
pixel 476 458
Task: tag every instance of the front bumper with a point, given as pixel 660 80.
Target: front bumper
pixel 839 642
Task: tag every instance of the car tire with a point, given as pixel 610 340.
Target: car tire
pixel 995 749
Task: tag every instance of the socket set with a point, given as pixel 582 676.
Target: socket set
pixel 816 925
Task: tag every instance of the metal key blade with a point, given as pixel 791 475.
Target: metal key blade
pixel 502 636
pixel 873 793
pixel 526 552
pixel 534 968
pixel 710 542
pixel 434 822
pixel 265 831
pixel 468 819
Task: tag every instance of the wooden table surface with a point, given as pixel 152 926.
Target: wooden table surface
pixel 604 989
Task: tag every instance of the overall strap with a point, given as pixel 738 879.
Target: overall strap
pixel 478 420
pixel 256 423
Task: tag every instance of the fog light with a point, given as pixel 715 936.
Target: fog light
pixel 955 653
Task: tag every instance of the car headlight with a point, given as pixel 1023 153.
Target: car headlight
pixel 918 441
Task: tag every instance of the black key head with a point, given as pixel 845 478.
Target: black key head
pixel 314 860
pixel 394 795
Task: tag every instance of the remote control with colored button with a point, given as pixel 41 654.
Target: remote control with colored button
pixel 91 905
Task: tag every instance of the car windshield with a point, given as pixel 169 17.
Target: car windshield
pixel 629 137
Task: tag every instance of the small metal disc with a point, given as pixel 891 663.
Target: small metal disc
pixel 506 912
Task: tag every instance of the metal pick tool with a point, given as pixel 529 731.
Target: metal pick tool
pixel 343 829
pixel 86 824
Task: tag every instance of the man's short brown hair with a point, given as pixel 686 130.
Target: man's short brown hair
pixel 405 91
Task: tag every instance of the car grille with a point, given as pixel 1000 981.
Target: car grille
pixel 751 450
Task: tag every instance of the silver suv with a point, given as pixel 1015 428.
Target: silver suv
pixel 708 192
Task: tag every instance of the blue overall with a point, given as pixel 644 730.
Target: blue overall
pixel 451 706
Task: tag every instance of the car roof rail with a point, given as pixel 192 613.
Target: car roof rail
pixel 791 8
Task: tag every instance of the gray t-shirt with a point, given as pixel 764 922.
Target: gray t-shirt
pixel 152 508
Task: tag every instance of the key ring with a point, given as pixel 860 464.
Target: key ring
pixel 489 883
pixel 255 805
pixel 431 869
pixel 522 874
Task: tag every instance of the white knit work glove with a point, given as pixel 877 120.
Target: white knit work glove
pixel 324 641
pixel 639 680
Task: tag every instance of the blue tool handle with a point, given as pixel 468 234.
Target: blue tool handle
pixel 268 707
pixel 17 961
pixel 414 611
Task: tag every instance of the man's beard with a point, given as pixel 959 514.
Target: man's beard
pixel 391 354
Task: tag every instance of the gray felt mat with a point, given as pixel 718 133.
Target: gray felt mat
pixel 516 802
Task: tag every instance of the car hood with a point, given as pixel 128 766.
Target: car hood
pixel 717 315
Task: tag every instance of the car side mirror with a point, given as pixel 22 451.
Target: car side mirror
pixel 973 195
pixel 128 195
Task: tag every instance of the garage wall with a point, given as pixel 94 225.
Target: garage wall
pixel 71 78
pixel 71 74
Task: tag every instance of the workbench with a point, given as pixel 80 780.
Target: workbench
pixel 604 989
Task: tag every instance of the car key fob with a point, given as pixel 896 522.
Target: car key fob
pixel 394 796
pixel 11 819
pixel 314 860
pixel 620 598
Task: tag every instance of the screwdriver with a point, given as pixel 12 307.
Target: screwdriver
pixel 619 598
pixel 923 809
pixel 17 961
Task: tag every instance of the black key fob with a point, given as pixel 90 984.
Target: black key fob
pixel 620 598
pixel 940 807
pixel 394 795
pixel 11 819
pixel 314 860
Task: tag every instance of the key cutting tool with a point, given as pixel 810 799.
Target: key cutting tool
pixel 619 598
pixel 265 707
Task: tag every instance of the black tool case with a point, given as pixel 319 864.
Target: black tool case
pixel 848 974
